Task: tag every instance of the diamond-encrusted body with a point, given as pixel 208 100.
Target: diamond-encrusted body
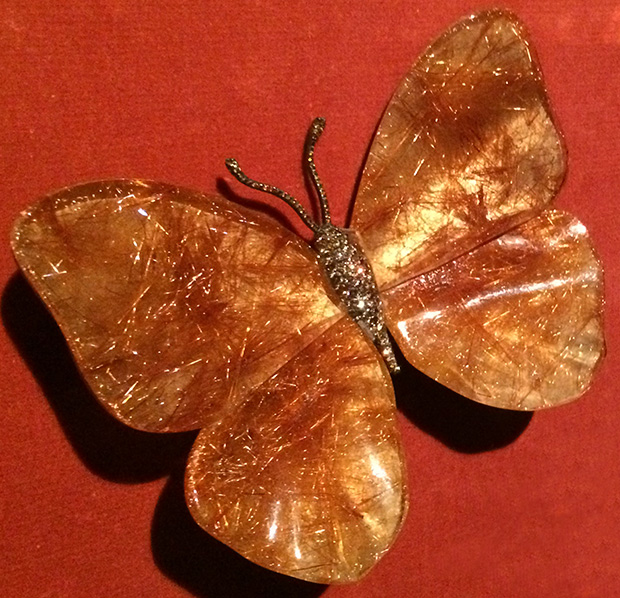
pixel 351 277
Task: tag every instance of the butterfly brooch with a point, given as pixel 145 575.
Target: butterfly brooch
pixel 185 311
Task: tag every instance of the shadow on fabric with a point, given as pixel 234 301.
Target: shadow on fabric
pixel 205 566
pixel 181 549
pixel 459 423
pixel 107 447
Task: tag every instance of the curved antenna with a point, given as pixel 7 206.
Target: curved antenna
pixel 317 127
pixel 235 170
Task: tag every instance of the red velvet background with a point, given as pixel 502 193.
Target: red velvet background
pixel 502 504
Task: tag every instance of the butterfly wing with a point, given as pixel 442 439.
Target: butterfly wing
pixel 186 311
pixel 466 151
pixel 173 304
pixel 306 477
pixel 516 323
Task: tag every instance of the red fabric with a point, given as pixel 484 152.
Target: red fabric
pixel 501 504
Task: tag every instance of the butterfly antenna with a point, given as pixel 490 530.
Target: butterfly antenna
pixel 235 170
pixel 317 127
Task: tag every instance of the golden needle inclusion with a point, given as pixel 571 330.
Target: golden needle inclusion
pixel 185 311
pixel 307 476
pixel 515 323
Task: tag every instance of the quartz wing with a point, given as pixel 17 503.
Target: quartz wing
pixel 306 475
pixel 175 305
pixel 466 149
pixel 516 323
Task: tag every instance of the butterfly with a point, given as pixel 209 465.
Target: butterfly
pixel 185 311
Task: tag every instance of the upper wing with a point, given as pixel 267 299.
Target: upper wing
pixel 175 305
pixel 466 150
pixel 516 323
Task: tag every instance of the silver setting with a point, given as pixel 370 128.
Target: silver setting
pixel 346 267
pixel 350 275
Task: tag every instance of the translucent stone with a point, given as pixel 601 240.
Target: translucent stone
pixel 306 477
pixel 466 149
pixel 184 311
pixel 516 323
pixel 174 304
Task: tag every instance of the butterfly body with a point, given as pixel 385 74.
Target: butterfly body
pixel 350 275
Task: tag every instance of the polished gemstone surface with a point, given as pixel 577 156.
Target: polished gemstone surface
pixel 516 323
pixel 484 290
pixel 175 305
pixel 183 312
pixel 306 477
pixel 190 312
pixel 465 150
